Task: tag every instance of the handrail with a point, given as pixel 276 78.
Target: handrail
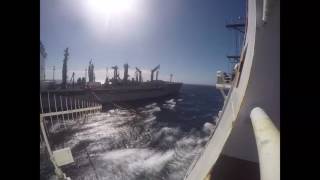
pixel 57 170
pixel 268 142
pixel 99 107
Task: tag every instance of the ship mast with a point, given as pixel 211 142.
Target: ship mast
pixel 238 26
pixel 53 70
pixel 115 73
pixel 43 56
pixel 64 68
pixel 85 75
pixel 125 75
pixel 107 79
pixel 91 72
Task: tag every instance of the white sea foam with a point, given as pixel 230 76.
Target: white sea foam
pixel 147 152
pixel 151 110
pixel 132 163
pixel 171 101
pixel 150 119
pixel 151 105
pixel 170 104
pixel 208 128
pixel 152 164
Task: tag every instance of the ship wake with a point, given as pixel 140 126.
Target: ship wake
pixel 125 145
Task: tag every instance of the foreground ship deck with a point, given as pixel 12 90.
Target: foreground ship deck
pixel 249 123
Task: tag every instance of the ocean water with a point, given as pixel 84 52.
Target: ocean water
pixel 152 140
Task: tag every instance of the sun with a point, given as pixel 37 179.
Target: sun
pixel 111 8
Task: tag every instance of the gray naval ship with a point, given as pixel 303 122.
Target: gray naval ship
pixel 113 90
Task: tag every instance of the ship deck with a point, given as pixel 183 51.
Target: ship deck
pixel 229 168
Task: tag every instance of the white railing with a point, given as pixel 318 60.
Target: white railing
pixel 81 110
pixel 57 170
pixel 268 142
pixel 89 109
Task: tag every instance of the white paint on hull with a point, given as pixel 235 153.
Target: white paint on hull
pixel 259 85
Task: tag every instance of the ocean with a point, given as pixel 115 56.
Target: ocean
pixel 149 140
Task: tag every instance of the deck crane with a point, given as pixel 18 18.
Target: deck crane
pixel 115 72
pixel 138 75
pixel 157 73
pixel 153 70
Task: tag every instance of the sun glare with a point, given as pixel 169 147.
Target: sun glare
pixel 109 8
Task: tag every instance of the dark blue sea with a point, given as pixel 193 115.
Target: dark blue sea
pixel 151 140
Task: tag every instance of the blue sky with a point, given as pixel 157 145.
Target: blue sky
pixel 187 38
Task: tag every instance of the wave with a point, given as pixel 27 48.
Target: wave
pixel 208 128
pixel 126 145
pixel 169 104
pixel 132 163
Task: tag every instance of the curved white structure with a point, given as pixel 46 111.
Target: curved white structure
pixel 268 142
pixel 256 84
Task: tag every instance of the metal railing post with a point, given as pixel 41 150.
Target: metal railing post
pixel 75 107
pixel 64 122
pixel 45 126
pixel 268 143
pixel 45 136
pixel 55 105
pixel 82 108
pixel 50 110
pixel 58 171
pixel 78 105
pixel 87 106
pixel 71 109
pixel 66 100
pixel 41 139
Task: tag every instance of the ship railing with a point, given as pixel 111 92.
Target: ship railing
pixel 77 111
pixel 268 143
pixel 65 110
pixel 224 82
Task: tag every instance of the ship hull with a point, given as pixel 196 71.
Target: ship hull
pixel 135 94
pixel 69 98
